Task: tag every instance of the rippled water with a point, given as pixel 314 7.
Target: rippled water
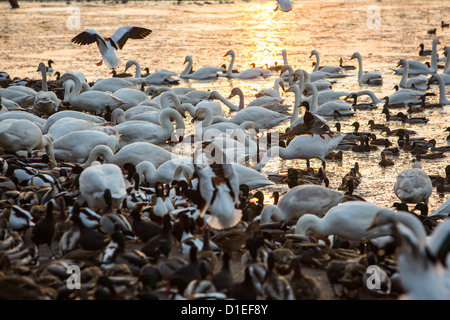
pixel 39 32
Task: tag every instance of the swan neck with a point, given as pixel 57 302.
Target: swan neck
pixel 118 116
pixel 188 68
pixel 230 66
pixel 271 213
pixel 297 98
pixel 316 67
pixel 44 79
pixel 101 150
pixel 138 68
pixel 360 67
pixel 315 98
pixel 405 74
pixel 310 222
pixel 442 94
pixel 146 169
pixel 228 103
pixel 267 157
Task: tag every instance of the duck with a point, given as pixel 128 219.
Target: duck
pixel 300 200
pixel 304 147
pixel 223 279
pixel 161 244
pixel 341 64
pixel 276 287
pixel 44 229
pixel 423 52
pixel 373 78
pixel 76 146
pixel 18 219
pixel 143 131
pixel 22 134
pixel 338 221
pixel 143 228
pixel 413 185
pixel 96 179
pixel 108 46
pixel 245 74
pixel 93 101
pixel 207 255
pixel 303 287
pixel 311 125
pixel 231 241
pixel 194 270
pixel 419 82
pixel 384 162
pixel 199 74
pixel 133 153
pixel 245 290
pixel 45 102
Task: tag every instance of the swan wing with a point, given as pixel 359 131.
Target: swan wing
pixel 122 34
pixel 87 37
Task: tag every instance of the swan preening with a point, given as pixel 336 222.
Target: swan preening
pixel 109 46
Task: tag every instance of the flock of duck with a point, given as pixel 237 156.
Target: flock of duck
pixel 91 172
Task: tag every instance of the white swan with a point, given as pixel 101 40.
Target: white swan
pixel 66 125
pixel 420 82
pixel 143 131
pixel 22 134
pixel 417 67
pixel 96 179
pixel 218 185
pixel 77 145
pixel 23 115
pixel 132 153
pixel 199 74
pixel 162 77
pixel 108 46
pixel 350 220
pixel 303 147
pixel 45 102
pixel 413 185
pixel 272 91
pixel 131 96
pixel 22 98
pixel 70 114
pixel 422 275
pixel 328 69
pixel 246 74
pixel 443 211
pixel 91 101
pixel 108 85
pixel 368 77
pixel 300 200
pixel 284 5
pixel 373 97
pixel 166 171
pixel 330 107
pixel 442 93
pixel 262 118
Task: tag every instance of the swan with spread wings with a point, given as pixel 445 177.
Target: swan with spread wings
pixel 109 46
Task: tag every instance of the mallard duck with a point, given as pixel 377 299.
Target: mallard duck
pixel 231 241
pixel 185 274
pixel 223 279
pixel 144 229
pixel 153 247
pixel 276 287
pixel 385 162
pixel 43 231
pixel 18 218
pixel 303 287
pixel 207 254
pixel 246 289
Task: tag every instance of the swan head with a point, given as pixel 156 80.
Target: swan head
pixel 229 53
pixel 356 55
pixel 187 59
pixel 235 92
pixel 41 67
